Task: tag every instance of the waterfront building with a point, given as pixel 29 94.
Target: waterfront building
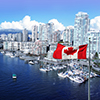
pixel 4 37
pixel 34 33
pixel 9 36
pixel 39 47
pixel 81 27
pixel 25 35
pixel 11 45
pixel 68 35
pixel 5 45
pixel 26 46
pixel 49 56
pixel 95 42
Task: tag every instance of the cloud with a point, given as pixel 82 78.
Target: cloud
pixel 57 25
pixel 27 23
pixel 95 23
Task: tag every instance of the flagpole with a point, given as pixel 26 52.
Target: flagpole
pixel 89 73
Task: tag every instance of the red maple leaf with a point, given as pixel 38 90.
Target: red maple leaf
pixel 70 51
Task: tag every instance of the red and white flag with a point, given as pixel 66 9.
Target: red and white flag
pixel 63 52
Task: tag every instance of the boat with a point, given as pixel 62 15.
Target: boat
pixel 23 57
pixel 78 79
pixel 49 67
pixel 55 67
pixel 43 69
pixel 35 62
pixel 12 56
pixel 96 68
pixel 31 62
pixel 2 52
pixel 16 55
pixel 14 76
pixel 71 77
pixel 70 72
pixel 63 75
pixel 7 53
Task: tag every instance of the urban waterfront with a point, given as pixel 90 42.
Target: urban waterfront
pixel 32 84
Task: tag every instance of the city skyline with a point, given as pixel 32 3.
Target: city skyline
pixel 19 14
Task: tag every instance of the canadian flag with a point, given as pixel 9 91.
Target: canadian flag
pixel 63 52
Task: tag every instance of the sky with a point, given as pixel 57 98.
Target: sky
pixel 20 14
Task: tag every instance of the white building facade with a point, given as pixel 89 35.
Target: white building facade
pixel 94 42
pixel 68 35
pixel 34 33
pixel 25 35
pixel 81 27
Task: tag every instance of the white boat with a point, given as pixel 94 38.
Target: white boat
pixel 31 62
pixel 94 74
pixel 54 68
pixel 78 79
pixel 64 66
pixel 70 72
pixel 43 69
pixel 23 57
pixel 71 77
pixel 35 62
pixel 14 76
pixel 11 55
pixel 16 55
pixel 7 53
pixel 96 68
pixel 2 52
pixel 63 75
pixel 76 72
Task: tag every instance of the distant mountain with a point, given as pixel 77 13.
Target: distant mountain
pixel 13 31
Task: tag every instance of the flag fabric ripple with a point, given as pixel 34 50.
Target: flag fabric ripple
pixel 63 52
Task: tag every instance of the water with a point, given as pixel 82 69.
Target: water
pixel 32 84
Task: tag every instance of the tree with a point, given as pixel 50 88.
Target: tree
pixel 96 56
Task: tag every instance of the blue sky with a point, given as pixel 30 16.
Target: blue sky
pixel 44 10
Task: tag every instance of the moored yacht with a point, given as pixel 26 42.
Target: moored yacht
pixel 63 75
pixel 31 62
pixel 78 79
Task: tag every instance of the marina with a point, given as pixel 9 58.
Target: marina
pixel 75 70
pixel 58 82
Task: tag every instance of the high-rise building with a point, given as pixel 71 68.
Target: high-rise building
pixel 94 42
pixel 68 34
pixel 19 37
pixel 81 27
pixel 46 32
pixel 56 36
pixel 9 36
pixel 34 33
pixel 25 35
pixel 42 32
pixel 50 31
